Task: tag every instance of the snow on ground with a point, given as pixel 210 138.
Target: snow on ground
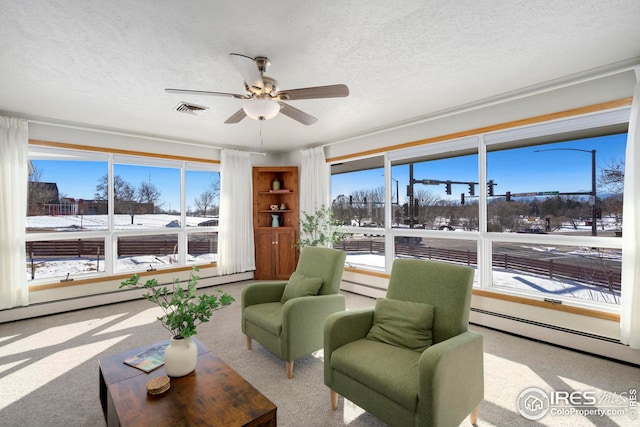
pixel 48 268
pixel 501 278
pixel 99 222
pixel 515 280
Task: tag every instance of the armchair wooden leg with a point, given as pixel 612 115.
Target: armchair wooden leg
pixel 289 369
pixel 248 342
pixel 473 417
pixel 334 399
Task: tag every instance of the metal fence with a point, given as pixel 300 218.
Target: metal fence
pixel 599 275
pixel 90 248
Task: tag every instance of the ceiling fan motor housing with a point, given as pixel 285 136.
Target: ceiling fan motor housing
pixel 270 87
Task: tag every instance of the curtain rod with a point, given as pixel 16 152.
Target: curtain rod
pixel 132 135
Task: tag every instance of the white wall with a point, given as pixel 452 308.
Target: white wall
pixel 493 112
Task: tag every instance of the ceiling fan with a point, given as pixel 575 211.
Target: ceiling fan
pixel 264 99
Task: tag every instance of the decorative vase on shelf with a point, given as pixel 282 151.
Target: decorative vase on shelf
pixel 275 184
pixel 180 357
pixel 275 220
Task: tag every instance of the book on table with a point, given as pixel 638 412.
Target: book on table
pixel 149 359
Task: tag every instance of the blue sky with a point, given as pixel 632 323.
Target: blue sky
pixel 521 170
pixel 78 179
pixel 517 170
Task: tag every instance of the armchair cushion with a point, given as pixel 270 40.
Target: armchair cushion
pixel 300 285
pixel 381 367
pixel 401 323
pixel 268 316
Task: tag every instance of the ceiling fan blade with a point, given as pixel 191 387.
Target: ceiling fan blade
pixel 205 92
pixel 236 117
pixel 248 69
pixel 295 114
pixel 331 91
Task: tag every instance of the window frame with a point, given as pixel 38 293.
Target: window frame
pixel 598 123
pixel 111 234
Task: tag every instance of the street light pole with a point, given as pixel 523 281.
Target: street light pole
pixel 594 228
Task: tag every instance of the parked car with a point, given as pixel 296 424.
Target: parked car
pixel 209 223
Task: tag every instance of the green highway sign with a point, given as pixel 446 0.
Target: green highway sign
pixel 539 193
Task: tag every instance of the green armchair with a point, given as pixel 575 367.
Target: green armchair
pixel 288 318
pixel 410 361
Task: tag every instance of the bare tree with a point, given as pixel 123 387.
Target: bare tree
pixel 127 198
pixel 121 189
pixel 205 200
pixel 427 206
pixel 341 210
pixel 612 177
pixel 149 195
pixel 359 204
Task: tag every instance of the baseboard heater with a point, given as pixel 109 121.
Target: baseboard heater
pixel 571 339
pixel 80 302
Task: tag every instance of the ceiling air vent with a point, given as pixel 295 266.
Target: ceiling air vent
pixel 185 107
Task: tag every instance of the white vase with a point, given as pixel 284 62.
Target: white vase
pixel 180 357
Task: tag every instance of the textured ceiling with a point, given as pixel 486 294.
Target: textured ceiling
pixel 105 64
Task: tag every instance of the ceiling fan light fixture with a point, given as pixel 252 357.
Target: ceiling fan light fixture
pixel 261 109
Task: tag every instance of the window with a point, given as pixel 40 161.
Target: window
pixel 64 259
pixel 144 196
pixel 441 192
pixel 62 191
pixel 203 196
pixel 357 190
pixel 147 252
pixel 202 247
pixel 558 271
pixel 570 188
pixel 137 217
pixel 358 205
pixel 536 210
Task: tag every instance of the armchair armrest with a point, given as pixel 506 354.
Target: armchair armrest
pixel 300 320
pixel 342 328
pixel 451 371
pixel 345 327
pixel 258 293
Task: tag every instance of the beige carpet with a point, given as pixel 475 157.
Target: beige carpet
pixel 49 370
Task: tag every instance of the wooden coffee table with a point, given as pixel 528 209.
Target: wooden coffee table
pixel 213 395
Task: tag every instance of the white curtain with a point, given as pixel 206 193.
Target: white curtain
pixel 630 300
pixel 235 243
pixel 13 211
pixel 314 180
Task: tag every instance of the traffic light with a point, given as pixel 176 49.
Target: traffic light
pixel 448 184
pixel 405 209
pixel 472 189
pixel 598 213
pixel 508 196
pixel 490 185
pixel 462 198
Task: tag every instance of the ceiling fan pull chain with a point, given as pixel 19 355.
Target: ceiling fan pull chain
pixel 261 137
